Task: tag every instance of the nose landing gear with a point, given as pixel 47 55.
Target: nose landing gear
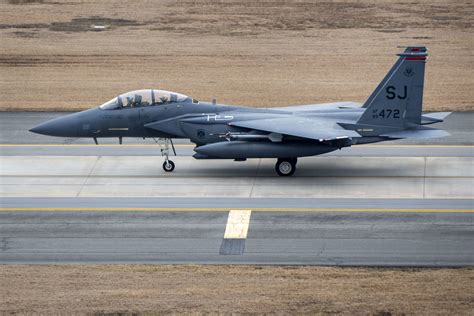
pixel 285 167
pixel 168 165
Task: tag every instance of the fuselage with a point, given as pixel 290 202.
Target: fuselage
pixel 201 122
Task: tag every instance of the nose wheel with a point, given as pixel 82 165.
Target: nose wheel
pixel 168 165
pixel 285 167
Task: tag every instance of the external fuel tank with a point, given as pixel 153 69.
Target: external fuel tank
pixel 260 149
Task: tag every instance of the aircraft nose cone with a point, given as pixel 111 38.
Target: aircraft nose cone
pixel 63 127
pixel 40 129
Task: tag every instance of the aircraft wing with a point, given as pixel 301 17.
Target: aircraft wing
pixel 310 128
pixel 320 107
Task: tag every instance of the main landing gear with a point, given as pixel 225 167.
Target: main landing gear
pixel 285 167
pixel 168 165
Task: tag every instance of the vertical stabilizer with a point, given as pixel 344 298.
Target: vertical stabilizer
pixel 397 100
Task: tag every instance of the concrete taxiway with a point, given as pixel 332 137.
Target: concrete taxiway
pixel 316 177
pixel 398 204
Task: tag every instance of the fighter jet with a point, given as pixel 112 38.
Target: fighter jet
pixel 393 111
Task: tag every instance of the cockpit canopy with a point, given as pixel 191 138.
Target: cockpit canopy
pixel 144 98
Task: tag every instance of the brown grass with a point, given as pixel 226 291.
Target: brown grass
pixel 258 53
pixel 245 289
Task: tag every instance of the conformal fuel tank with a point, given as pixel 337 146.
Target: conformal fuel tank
pixel 260 149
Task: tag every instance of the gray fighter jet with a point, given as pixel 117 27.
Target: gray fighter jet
pixel 392 111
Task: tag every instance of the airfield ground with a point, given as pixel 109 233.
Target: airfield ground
pixel 259 53
pixel 243 289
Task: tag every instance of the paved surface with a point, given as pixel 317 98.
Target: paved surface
pixel 326 238
pixel 15 126
pixel 316 177
pixel 285 204
pixel 71 220
pixel 376 150
pixel 396 204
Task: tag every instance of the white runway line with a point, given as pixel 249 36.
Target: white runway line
pixel 237 224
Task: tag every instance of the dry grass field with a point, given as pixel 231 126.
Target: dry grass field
pixel 137 289
pixel 258 53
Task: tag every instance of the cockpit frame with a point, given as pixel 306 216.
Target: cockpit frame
pixel 145 97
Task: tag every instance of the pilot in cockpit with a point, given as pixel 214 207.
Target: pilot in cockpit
pixel 163 99
pixel 129 100
pixel 137 101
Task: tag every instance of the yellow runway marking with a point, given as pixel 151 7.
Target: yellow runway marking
pixel 414 146
pixel 224 209
pixel 192 145
pixel 237 224
pixel 91 145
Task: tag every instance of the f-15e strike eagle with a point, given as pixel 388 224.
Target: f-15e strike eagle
pixel 392 111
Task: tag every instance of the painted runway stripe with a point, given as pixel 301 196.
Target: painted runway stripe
pixel 237 224
pixel 224 209
pixel 91 145
pixel 192 145
pixel 235 233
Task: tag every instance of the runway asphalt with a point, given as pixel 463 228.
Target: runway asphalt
pixel 305 238
pixel 392 204
pixel 283 204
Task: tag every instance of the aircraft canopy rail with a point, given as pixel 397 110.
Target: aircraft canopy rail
pixel 144 97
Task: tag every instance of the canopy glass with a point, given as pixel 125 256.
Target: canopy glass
pixel 143 98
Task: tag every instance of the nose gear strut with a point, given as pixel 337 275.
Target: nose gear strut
pixel 168 165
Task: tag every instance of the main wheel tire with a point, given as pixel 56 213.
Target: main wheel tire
pixel 285 167
pixel 168 166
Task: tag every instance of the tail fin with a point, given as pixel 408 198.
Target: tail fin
pixel 398 99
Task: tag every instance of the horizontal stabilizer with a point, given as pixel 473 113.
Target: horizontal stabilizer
pixel 418 133
pixel 431 118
